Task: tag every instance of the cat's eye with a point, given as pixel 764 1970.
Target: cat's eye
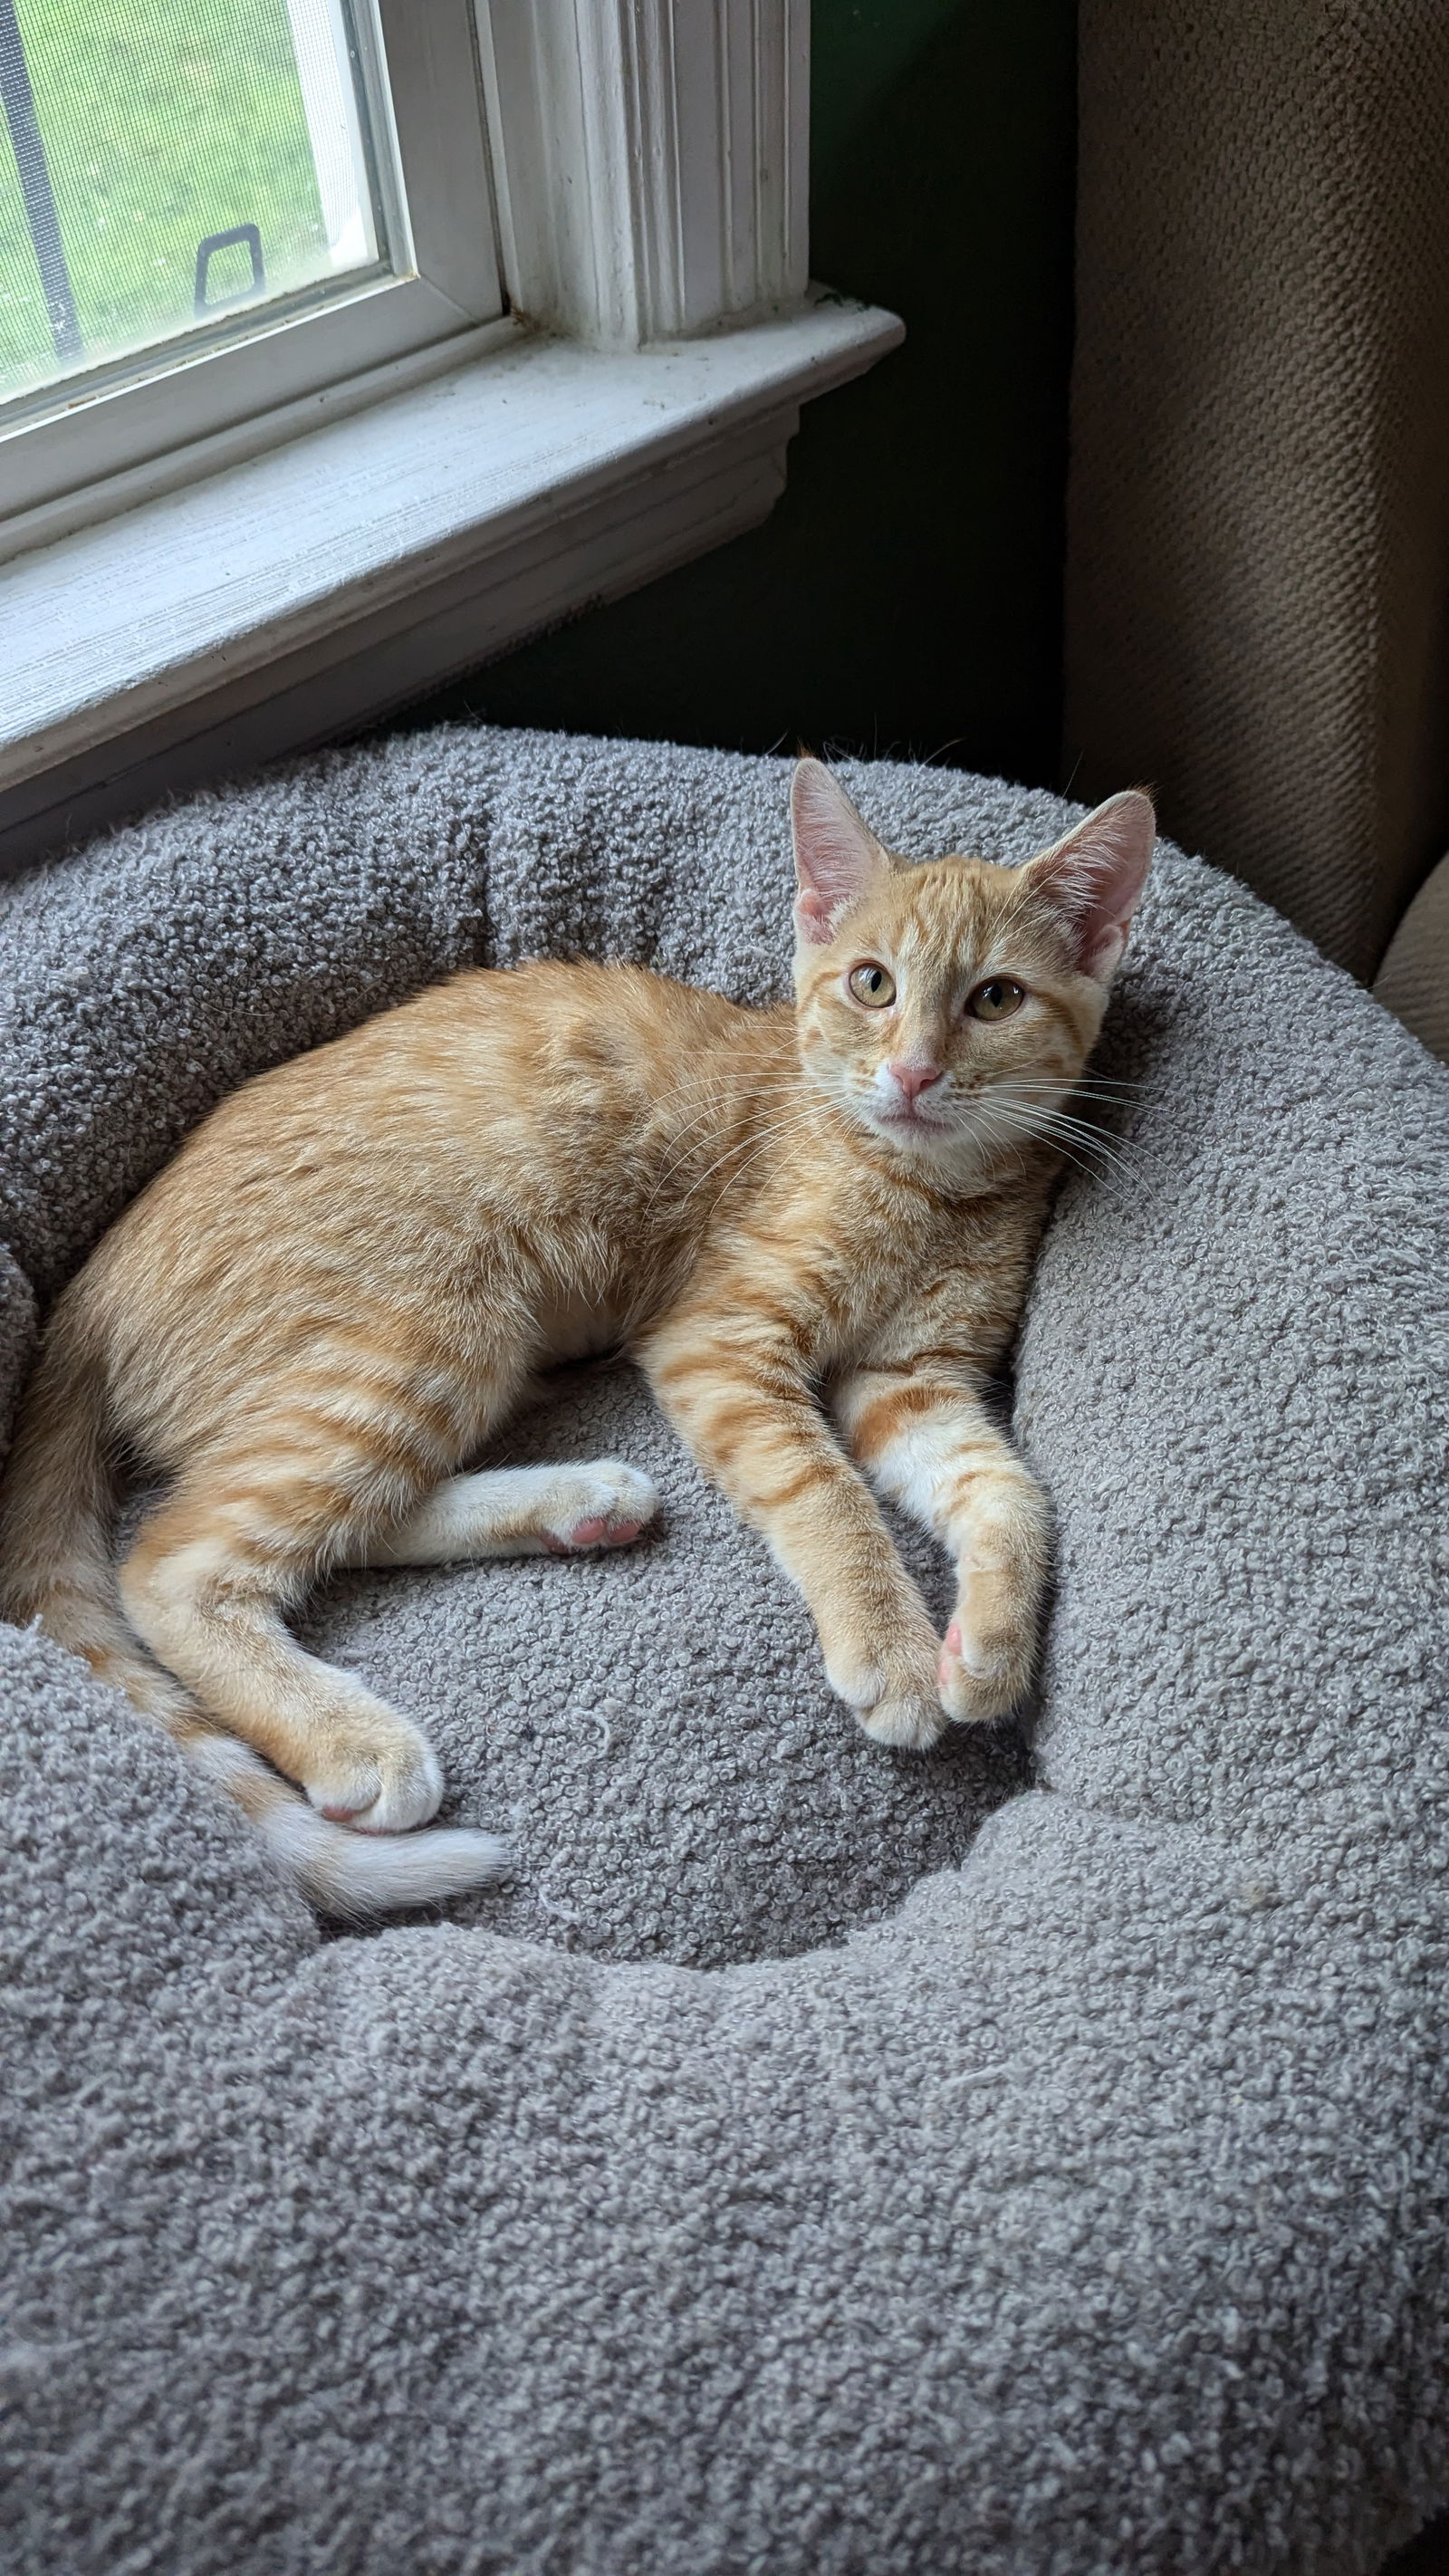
pixel 872 985
pixel 996 999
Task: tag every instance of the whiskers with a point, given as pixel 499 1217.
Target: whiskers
pixel 1090 1086
pixel 751 1148
pixel 720 1143
pixel 1043 1120
pixel 692 1132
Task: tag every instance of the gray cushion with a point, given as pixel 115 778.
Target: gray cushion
pixel 819 2159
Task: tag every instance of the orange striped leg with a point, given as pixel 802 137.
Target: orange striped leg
pixel 746 1412
pixel 936 1450
pixel 334 1460
pixel 206 1586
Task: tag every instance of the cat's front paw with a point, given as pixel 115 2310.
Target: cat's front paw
pixel 893 1692
pixel 912 1722
pixel 989 1652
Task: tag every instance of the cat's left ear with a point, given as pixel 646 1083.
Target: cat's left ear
pixel 1095 875
pixel 837 856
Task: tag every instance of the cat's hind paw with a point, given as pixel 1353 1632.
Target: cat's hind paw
pixel 607 1505
pixel 373 1771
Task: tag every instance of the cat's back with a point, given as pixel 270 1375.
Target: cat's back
pixel 546 1077
pixel 455 1061
pixel 489 1034
pixel 625 1028
pixel 528 1106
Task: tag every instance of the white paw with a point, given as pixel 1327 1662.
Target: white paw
pixel 604 1505
pixel 379 1780
pixel 912 1722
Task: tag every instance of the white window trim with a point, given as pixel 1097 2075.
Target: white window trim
pixel 651 160
pixel 293 574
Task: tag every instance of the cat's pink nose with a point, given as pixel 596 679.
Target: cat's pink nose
pixel 913 1079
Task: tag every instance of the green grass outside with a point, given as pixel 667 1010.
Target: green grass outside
pixel 163 121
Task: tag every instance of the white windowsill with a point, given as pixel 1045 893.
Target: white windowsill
pixel 313 585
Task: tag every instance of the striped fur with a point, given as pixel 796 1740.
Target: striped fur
pixel 813 1228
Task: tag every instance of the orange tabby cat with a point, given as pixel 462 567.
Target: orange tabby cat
pixel 343 1284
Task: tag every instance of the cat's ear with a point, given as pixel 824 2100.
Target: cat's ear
pixel 837 856
pixel 1094 876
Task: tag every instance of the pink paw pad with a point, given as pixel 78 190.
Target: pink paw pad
pixel 596 1532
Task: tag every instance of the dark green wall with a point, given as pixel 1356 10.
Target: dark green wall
pixel 905 595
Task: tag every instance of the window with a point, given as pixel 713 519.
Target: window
pixel 191 169
pixel 278 452
pixel 211 207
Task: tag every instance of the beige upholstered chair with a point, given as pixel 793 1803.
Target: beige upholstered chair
pixel 1258 551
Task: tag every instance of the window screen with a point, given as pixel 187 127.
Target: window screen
pixel 169 168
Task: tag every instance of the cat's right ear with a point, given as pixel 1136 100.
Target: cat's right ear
pixel 837 856
pixel 1094 877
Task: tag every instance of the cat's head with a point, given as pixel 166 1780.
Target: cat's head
pixel 947 1007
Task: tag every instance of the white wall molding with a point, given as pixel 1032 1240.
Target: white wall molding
pixel 651 159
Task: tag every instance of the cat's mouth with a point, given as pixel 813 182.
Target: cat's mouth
pixel 907 1118
pixel 907 1115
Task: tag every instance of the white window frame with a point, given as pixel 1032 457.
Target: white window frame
pixel 421 73
pixel 251 588
pixel 652 160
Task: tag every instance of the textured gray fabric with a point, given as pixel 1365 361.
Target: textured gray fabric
pixel 17 1337
pixel 1087 2213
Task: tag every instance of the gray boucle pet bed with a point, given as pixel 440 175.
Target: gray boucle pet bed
pixel 1014 2162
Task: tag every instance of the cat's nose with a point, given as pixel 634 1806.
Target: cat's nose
pixel 913 1079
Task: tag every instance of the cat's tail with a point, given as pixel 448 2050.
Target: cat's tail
pixel 57 1524
pixel 344 1873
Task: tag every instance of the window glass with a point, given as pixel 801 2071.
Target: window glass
pixel 167 166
